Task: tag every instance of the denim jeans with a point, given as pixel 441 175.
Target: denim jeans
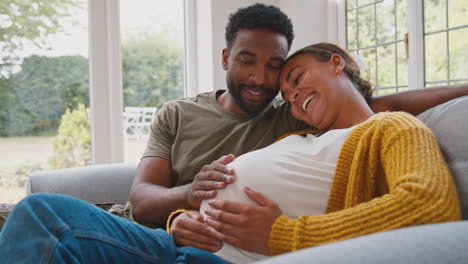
pixel 54 228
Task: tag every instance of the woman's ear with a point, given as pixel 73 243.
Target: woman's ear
pixel 338 63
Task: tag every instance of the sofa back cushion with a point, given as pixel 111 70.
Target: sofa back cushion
pixel 449 122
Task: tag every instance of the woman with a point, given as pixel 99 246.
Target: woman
pixel 366 173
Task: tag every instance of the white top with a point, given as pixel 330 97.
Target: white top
pixel 295 172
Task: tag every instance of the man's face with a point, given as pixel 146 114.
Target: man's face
pixel 253 65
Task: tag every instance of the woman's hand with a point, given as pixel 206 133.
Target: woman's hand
pixel 244 226
pixel 188 229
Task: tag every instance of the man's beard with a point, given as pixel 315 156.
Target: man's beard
pixel 251 109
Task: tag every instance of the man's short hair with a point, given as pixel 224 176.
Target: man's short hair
pixel 259 16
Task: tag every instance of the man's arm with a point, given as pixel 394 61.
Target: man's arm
pixel 417 101
pixel 154 198
pixel 151 195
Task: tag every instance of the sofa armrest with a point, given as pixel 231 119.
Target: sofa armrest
pixel 94 184
pixel 435 243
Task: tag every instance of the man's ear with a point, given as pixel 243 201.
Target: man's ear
pixel 225 57
pixel 338 63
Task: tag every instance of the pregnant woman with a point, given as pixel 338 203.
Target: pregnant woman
pixel 365 173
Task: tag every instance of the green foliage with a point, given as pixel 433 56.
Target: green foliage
pixel 37 96
pixel 46 86
pixel 152 69
pixel 25 21
pixel 14 119
pixel 18 175
pixel 72 145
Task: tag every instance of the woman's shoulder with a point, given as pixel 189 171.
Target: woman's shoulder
pixel 397 122
pixel 398 119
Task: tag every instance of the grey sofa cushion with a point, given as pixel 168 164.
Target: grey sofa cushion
pixel 95 184
pixel 436 243
pixel 449 122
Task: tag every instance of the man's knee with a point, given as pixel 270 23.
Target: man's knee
pixel 36 202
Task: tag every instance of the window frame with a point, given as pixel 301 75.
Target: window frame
pixel 106 88
pixel 416 44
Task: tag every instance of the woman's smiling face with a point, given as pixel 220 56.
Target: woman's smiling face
pixel 311 87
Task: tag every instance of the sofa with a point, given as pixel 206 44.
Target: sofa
pixel 436 243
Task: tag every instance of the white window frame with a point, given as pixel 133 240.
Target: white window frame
pixel 106 99
pixel 416 39
pixel 106 92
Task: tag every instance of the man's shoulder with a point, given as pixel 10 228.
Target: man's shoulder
pixel 188 103
pixel 201 98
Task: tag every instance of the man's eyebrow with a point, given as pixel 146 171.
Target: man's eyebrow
pixel 245 52
pixel 289 73
pixel 281 59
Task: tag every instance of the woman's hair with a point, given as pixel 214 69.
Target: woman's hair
pixel 324 51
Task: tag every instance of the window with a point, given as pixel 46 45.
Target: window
pixel 152 33
pixel 43 90
pixel 379 33
pixel 445 30
pixel 54 114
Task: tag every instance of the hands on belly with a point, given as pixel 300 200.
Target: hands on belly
pixel 244 226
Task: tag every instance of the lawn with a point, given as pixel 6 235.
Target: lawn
pixel 21 152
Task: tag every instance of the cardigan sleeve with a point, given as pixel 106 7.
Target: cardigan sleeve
pixel 421 191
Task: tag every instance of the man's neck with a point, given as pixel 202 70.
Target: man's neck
pixel 226 101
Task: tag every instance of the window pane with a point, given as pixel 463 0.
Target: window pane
pixel 435 15
pixel 436 84
pixel 458 13
pixel 385 21
pixel 350 4
pixel 366 26
pixel 352 30
pixel 436 62
pixel 43 89
pixel 365 2
pixel 458 82
pixel 152 59
pixel 402 89
pixel 368 71
pixel 386 72
pixel 458 48
pixel 402 65
pixel 402 19
pixel 386 91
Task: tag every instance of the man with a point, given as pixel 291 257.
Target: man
pixel 188 134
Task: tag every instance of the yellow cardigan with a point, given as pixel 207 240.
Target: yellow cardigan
pixel 390 173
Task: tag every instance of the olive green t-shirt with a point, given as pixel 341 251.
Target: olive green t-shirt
pixel 195 131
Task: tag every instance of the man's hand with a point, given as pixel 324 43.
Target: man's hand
pixel 211 178
pixel 244 226
pixel 188 229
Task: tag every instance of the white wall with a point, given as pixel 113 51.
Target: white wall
pixel 310 20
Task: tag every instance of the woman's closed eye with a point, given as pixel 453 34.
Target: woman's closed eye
pixel 297 79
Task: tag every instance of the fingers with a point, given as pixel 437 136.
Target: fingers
pixel 203 195
pixel 230 206
pixel 189 230
pixel 224 217
pixel 195 215
pixel 226 231
pixel 216 172
pixel 258 197
pixel 225 159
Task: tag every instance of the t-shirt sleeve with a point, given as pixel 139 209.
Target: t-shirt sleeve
pixel 162 134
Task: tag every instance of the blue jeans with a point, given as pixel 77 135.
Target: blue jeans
pixel 54 228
